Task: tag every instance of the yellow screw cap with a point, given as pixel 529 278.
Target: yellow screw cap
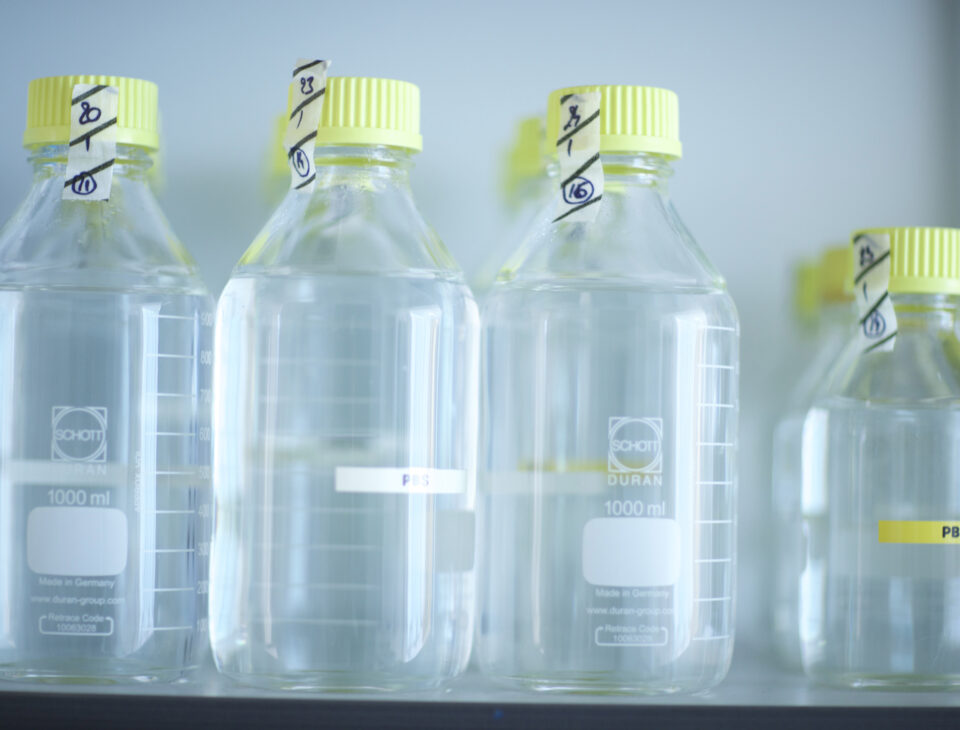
pixel 368 111
pixel 922 260
pixel 806 291
pixel 835 275
pixel 48 110
pixel 632 118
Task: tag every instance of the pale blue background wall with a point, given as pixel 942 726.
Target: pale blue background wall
pixel 800 120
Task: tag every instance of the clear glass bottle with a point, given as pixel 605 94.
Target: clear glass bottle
pixel 880 453
pixel 608 447
pixel 106 335
pixel 527 186
pixel 346 412
pixel 835 321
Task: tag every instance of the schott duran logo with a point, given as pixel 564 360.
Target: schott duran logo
pixel 79 434
pixel 636 451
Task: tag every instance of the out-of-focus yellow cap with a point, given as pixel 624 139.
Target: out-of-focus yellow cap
pixel 525 159
pixel 368 111
pixel 277 157
pixel 48 110
pixel 922 260
pixel 835 275
pixel 806 290
pixel 632 118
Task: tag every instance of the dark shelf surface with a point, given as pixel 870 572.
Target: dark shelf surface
pixel 756 693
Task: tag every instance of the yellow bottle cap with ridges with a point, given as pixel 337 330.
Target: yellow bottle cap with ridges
pixel 922 260
pixel 632 118
pixel 48 110
pixel 368 111
pixel 806 289
pixel 835 269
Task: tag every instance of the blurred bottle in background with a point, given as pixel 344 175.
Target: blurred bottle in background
pixel 824 323
pixel 527 188
pixel 880 590
pixel 276 170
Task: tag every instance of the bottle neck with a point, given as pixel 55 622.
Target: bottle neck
pixel 132 163
pixel 640 170
pixel 919 313
pixel 363 167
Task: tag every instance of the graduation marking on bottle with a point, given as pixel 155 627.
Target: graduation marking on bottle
pixel 169 487
pixel 717 407
pixel 92 149
pixel 309 88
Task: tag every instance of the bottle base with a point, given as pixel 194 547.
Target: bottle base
pixel 107 672
pixel 889 682
pixel 335 682
pixel 586 684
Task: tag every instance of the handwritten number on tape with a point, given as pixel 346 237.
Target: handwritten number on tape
pixel 578 149
pixel 878 321
pixel 309 87
pixel 93 142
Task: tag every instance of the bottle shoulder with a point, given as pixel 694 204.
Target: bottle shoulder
pixel 637 237
pixel 346 297
pixel 349 229
pixel 517 302
pixel 921 371
pixel 120 242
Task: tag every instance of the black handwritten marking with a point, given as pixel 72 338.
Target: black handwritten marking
pixel 96 130
pixel 579 207
pixel 88 113
pixel 886 339
pixel 874 308
pixel 566 97
pixel 579 171
pixel 584 123
pixel 298 69
pixel 92 171
pixel 869 268
pixel 306 101
pixel 307 181
pixel 86 94
pixel 298 145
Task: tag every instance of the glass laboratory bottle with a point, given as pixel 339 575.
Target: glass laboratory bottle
pixel 346 416
pixel 880 593
pixel 835 321
pixel 106 335
pixel 608 447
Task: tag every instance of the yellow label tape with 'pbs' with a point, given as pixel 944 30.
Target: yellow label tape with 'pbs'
pixel 926 532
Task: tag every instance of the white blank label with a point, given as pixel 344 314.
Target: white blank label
pixel 77 541
pixel 634 552
pixel 400 481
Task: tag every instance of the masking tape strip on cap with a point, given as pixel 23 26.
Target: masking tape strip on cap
pixel 578 149
pixel 300 140
pixel 93 142
pixel 871 283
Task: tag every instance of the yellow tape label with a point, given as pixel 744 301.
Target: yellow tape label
pixel 926 532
